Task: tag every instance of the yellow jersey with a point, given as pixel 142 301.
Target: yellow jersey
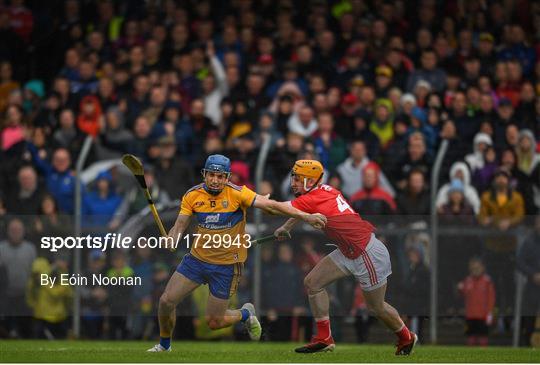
pixel 224 215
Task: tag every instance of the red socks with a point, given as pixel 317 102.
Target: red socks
pixel 477 341
pixel 404 334
pixel 323 329
pixel 482 341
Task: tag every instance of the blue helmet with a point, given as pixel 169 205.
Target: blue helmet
pixel 217 163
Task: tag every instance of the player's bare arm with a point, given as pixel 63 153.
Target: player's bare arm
pixel 269 210
pixel 284 208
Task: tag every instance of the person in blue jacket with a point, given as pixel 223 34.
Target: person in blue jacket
pixel 419 123
pixel 100 204
pixel 59 178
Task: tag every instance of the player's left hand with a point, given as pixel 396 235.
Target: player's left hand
pixel 317 220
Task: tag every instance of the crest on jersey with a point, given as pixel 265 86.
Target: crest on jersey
pixel 224 203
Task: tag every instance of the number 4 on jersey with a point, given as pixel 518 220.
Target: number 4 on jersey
pixel 343 205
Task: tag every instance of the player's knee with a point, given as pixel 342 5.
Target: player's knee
pixel 166 301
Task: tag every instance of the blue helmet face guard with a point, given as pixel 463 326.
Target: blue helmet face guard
pixel 214 183
pixel 217 165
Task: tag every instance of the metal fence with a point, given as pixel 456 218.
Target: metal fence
pixel 282 294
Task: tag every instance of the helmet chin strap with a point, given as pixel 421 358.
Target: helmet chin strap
pixel 305 185
pixel 306 189
pixel 312 186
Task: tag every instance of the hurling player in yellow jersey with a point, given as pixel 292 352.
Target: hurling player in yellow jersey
pixel 218 250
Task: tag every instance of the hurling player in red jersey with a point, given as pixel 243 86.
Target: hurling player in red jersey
pixel 359 254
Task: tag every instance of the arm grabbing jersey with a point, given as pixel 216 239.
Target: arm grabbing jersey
pixel 344 226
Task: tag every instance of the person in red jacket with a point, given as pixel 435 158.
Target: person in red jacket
pixel 21 19
pixel 372 199
pixel 479 293
pixel 90 118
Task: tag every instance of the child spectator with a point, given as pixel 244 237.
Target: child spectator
pixel 478 292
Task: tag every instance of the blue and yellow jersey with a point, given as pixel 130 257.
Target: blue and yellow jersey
pixel 222 214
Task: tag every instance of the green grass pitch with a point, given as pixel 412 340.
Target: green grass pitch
pixel 135 352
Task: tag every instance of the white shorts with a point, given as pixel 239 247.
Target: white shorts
pixel 371 268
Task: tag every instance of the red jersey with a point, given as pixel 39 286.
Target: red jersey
pixel 344 226
pixel 479 295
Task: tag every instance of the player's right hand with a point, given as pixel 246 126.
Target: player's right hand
pixel 171 246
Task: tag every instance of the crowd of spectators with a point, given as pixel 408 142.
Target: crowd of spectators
pixel 369 88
